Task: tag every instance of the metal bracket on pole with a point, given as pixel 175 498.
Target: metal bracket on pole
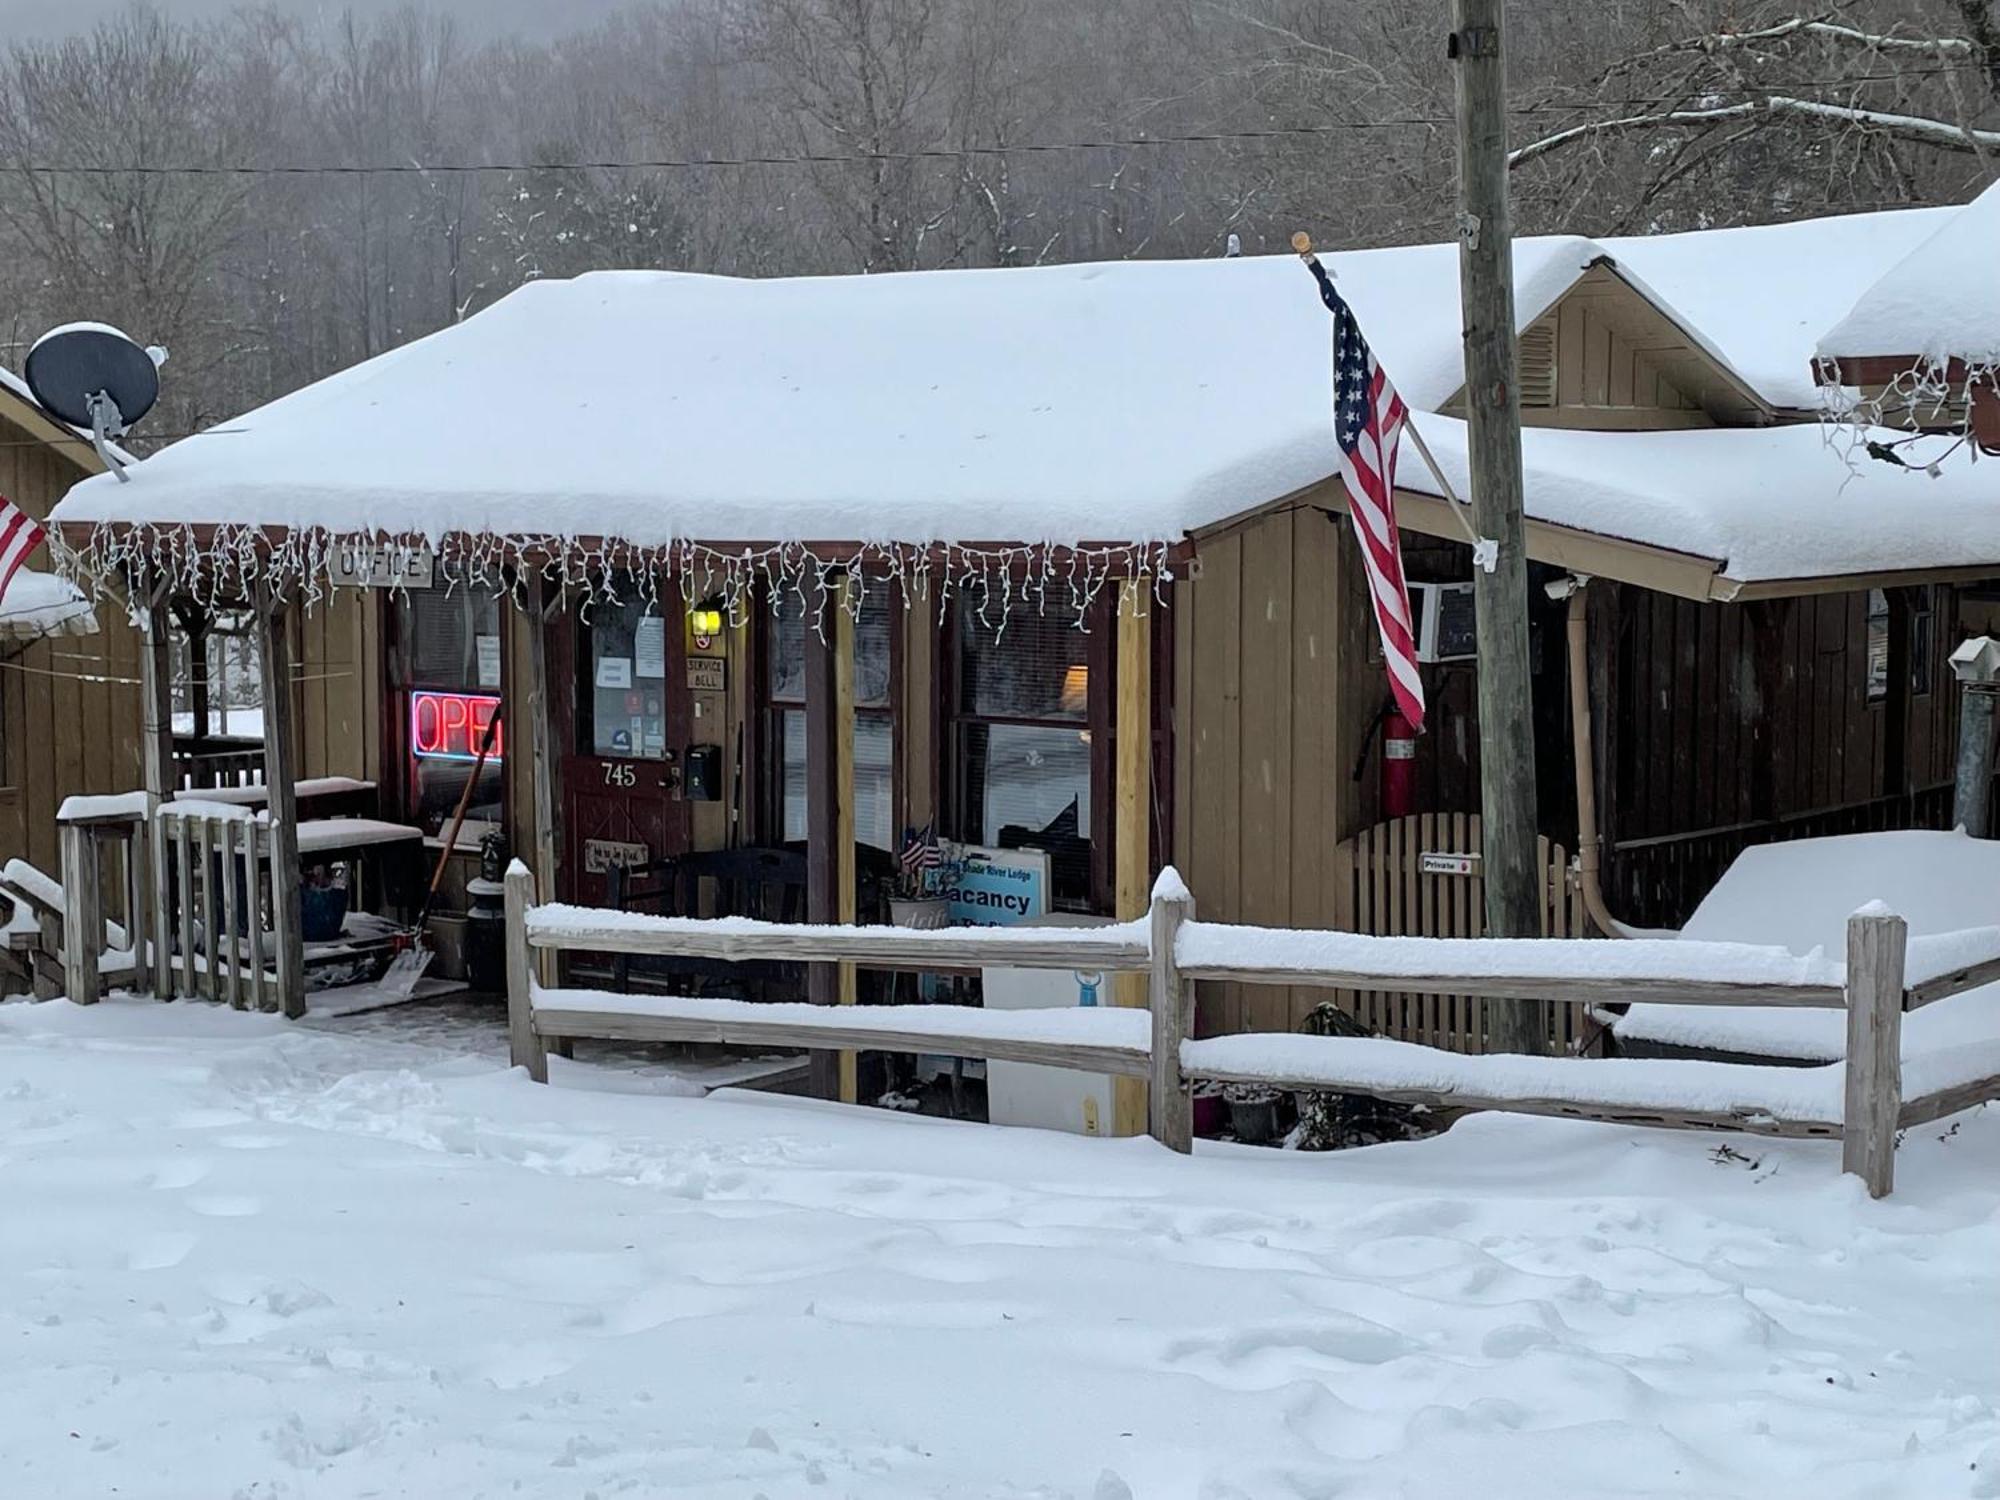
pixel 106 423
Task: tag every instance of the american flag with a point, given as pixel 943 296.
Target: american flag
pixel 19 535
pixel 920 850
pixel 1368 418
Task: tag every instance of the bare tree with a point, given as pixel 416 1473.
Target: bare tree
pixel 1877 102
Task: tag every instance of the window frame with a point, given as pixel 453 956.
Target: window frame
pixel 768 712
pixel 1100 718
pixel 399 766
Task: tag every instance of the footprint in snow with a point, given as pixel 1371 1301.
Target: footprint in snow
pixel 158 1252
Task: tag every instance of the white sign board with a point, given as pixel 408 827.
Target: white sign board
pixel 489 659
pixel 1447 864
pixel 997 887
pixel 649 648
pixel 380 565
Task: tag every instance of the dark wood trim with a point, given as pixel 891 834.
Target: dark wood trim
pixel 822 894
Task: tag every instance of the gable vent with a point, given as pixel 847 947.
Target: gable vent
pixel 1536 365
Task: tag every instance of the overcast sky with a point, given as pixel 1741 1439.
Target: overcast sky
pixel 541 18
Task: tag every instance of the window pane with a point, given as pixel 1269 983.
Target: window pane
pixel 874 779
pixel 1028 787
pixel 438 785
pixel 440 633
pixel 1035 669
pixel 786 680
pixel 628 686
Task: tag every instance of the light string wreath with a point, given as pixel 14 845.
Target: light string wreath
pixel 991 582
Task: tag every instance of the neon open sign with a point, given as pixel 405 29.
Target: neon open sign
pixel 449 726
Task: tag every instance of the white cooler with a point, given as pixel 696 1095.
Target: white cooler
pixel 1027 1093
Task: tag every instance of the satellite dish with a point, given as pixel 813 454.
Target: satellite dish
pixel 92 376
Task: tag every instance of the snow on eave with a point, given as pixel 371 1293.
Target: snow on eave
pixel 1938 304
pixel 73 443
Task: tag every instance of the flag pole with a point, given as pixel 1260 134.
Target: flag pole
pixel 1485 551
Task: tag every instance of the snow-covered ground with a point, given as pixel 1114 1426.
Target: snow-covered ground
pixel 247 1259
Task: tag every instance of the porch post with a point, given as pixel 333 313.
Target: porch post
pixel 274 647
pixel 846 880
pixel 1133 825
pixel 156 759
pixel 822 831
pixel 542 601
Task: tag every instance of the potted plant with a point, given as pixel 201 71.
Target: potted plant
pixel 1253 1112
pixel 916 896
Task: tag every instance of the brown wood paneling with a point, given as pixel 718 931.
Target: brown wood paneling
pixel 64 734
pixel 1316 749
pixel 1217 696
pixel 1265 805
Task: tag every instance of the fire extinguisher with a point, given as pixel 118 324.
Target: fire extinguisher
pixel 1399 766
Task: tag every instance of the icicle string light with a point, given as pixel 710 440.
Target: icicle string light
pixel 1932 398
pixel 993 583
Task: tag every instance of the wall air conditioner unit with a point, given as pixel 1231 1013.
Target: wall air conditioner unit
pixel 1442 615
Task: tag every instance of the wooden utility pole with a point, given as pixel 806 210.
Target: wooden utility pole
pixel 1493 421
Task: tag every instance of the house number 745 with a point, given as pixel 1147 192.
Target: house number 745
pixel 621 773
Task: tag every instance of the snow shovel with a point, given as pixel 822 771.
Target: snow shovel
pixel 408 966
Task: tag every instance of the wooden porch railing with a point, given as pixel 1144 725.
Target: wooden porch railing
pixel 218 856
pixel 1861 1101
pixel 196 901
pixel 207 762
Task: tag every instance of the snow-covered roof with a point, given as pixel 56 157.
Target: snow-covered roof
pixel 41 604
pixel 1130 402
pixel 1761 295
pixel 1938 302
pixel 1763 503
pixel 1125 401
pixel 15 386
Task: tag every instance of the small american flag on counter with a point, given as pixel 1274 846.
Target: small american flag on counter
pixel 920 850
pixel 20 534
pixel 1368 418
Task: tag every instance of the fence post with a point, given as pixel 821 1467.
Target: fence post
pixel 1170 1110
pixel 1873 1100
pixel 524 1048
pixel 83 914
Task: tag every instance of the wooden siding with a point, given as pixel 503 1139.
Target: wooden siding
pixel 1686 676
pixel 1261 770
pixel 59 735
pixel 341 688
pixel 1622 365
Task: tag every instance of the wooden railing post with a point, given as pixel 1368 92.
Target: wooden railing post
pixel 83 913
pixel 1873 1099
pixel 188 983
pixel 524 1047
pixel 1169 1104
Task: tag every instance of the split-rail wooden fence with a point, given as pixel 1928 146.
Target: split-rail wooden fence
pixel 1174 951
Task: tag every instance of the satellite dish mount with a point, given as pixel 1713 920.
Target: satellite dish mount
pixel 98 381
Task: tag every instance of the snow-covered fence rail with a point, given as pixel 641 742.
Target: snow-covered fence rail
pixel 1860 1101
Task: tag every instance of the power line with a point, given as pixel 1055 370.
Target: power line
pixel 414 168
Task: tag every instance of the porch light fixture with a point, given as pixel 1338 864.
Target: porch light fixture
pixel 705 623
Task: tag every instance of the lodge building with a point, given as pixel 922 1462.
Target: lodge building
pixel 1054 562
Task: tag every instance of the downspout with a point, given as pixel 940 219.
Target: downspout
pixel 1589 847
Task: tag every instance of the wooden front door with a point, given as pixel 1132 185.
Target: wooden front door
pixel 621 773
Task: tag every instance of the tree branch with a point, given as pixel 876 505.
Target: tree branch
pixel 1914 128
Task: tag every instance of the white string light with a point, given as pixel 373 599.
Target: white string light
pixel 236 559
